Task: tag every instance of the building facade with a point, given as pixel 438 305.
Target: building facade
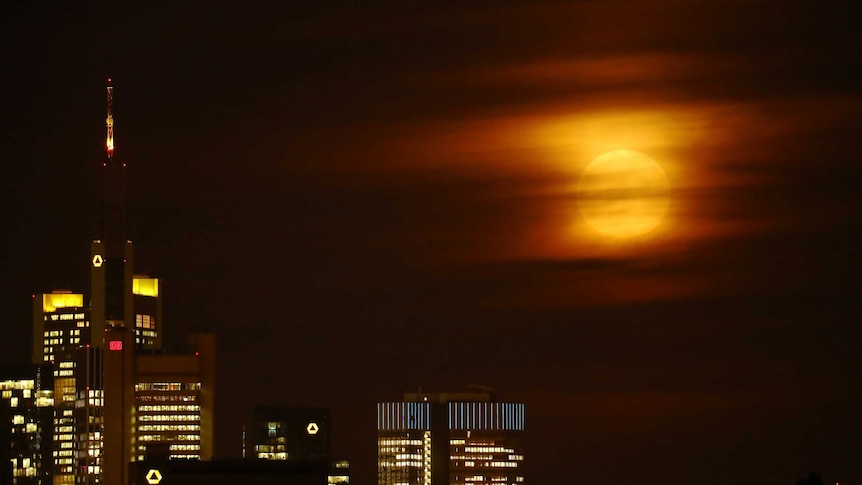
pixel 26 411
pixel 156 405
pixel 62 339
pixel 452 438
pixel 288 433
pixel 114 396
pixel 299 434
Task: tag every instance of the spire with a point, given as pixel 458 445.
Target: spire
pixel 109 122
pixel 112 278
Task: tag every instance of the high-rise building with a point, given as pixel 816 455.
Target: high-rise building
pixel 61 338
pixel 296 434
pixel 156 405
pixel 115 396
pixel 288 433
pixel 450 438
pixel 60 323
pixel 147 311
pixel 26 414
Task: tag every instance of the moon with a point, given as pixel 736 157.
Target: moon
pixel 623 194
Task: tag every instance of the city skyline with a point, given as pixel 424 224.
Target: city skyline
pixel 361 201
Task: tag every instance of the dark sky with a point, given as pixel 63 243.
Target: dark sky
pixel 362 200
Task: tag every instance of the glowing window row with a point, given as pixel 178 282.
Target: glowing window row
pixel 17 385
pixel 25 394
pixel 269 448
pixel 272 456
pixel 179 437
pixel 65 316
pixel 393 442
pixel 395 449
pixel 92 402
pixel 169 417
pixel 408 456
pixel 167 398
pixel 59 341
pixel 471 457
pixel 487 449
pixel 492 464
pixel 191 447
pixel 168 386
pixel 169 427
pixel 168 407
pixel 91 393
pixel 172 447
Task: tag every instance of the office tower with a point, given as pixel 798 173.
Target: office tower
pixel 450 438
pixel 61 335
pixel 119 297
pixel 147 311
pixel 288 433
pixel 174 401
pixel 111 253
pixel 295 434
pixel 26 411
pixel 60 323
pixel 156 405
pixel 70 334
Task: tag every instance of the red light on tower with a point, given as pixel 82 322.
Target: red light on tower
pixel 115 345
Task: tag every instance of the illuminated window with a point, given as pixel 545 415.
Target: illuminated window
pixel 145 321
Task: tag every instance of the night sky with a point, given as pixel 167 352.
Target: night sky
pixel 363 200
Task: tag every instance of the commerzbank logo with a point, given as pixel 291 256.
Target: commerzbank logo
pixel 154 476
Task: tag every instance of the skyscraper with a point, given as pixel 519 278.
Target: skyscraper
pixel 450 438
pixel 298 434
pixel 114 395
pixel 70 334
pixel 62 339
pixel 288 433
pixel 156 404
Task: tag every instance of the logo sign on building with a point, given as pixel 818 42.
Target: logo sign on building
pixel 97 261
pixel 153 476
pixel 118 345
pixel 312 428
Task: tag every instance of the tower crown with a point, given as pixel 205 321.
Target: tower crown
pixel 109 122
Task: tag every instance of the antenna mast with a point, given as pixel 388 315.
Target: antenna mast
pixel 109 122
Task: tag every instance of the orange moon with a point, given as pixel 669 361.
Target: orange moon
pixel 623 194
